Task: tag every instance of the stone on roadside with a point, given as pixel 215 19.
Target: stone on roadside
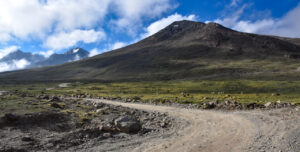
pixel 268 104
pixel 107 135
pixel 127 124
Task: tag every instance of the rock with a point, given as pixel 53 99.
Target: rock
pixel 102 110
pixel 209 105
pixel 10 117
pixel 3 93
pixel 127 124
pixel 227 102
pixel 251 105
pixel 106 127
pixel 55 105
pixel 278 101
pixel 268 104
pixel 98 105
pixel 163 124
pixel 107 135
pixel 27 138
pixel 54 99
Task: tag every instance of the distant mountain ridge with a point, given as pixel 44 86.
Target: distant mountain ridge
pixel 71 55
pixel 18 55
pixel 184 50
pixel 37 60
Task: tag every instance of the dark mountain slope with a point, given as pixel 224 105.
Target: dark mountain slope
pixel 183 50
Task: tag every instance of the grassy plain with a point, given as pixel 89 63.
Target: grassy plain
pixel 241 91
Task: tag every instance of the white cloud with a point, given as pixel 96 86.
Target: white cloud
pixel 4 37
pixel 23 18
pixel 131 12
pixel 164 22
pixel 94 52
pixel 118 45
pixel 20 64
pixel 37 18
pixel 288 25
pixel 6 51
pixel 109 47
pixel 65 40
pixel 234 3
pixel 14 65
pixel 46 54
pixel 44 20
pixel 77 57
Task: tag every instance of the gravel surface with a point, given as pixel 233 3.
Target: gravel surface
pixel 200 130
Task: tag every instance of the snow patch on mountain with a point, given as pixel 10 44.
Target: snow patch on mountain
pixel 75 50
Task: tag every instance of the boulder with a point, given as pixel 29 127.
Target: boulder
pixel 107 127
pixel 3 93
pixel 252 105
pixel 55 105
pixel 27 138
pixel 127 124
pixel 209 105
pixel 106 135
pixel 10 117
pixel 55 99
pixel 102 110
pixel 268 104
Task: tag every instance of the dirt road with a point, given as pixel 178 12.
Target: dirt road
pixel 216 131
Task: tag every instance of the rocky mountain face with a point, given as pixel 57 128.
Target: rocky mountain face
pixel 37 60
pixel 185 50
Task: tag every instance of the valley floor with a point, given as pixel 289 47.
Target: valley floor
pixel 244 115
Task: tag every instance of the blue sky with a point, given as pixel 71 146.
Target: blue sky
pixel 48 26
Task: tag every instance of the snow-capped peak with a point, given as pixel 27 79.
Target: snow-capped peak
pixel 75 50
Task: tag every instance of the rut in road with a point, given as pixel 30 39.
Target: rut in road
pixel 273 130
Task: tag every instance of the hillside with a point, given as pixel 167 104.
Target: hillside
pixel 184 50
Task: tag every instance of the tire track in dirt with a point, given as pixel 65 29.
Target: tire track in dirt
pixel 275 130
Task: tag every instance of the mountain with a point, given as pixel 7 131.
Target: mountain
pixel 184 50
pixel 36 60
pixel 71 55
pixel 18 55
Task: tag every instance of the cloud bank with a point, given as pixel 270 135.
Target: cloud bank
pixel 4 52
pixel 13 65
pixel 61 21
pixel 164 22
pixel 64 40
pixel 288 25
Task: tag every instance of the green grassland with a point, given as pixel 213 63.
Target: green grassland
pixel 19 105
pixel 241 91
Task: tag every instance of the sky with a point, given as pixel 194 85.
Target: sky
pixel 54 26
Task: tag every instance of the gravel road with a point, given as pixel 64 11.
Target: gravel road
pixel 217 131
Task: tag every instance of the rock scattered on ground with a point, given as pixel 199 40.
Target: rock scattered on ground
pixel 128 124
pixel 60 129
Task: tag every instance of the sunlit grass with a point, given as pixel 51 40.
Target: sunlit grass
pixel 242 91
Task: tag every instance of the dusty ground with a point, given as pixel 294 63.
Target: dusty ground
pixel 63 130
pixel 272 130
pixel 164 128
